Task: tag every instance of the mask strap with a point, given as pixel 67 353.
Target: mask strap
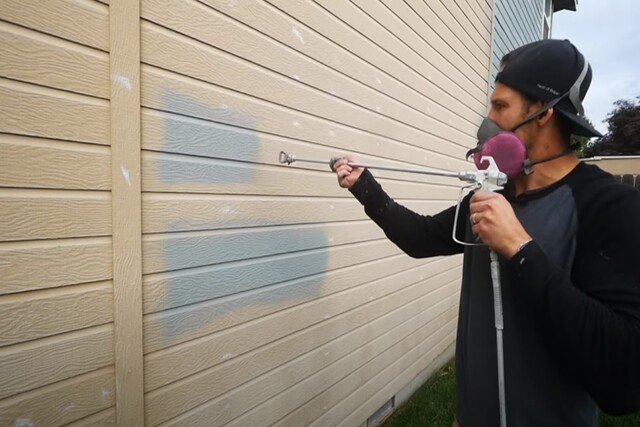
pixel 537 113
pixel 528 164
pixel 527 119
pixel 574 92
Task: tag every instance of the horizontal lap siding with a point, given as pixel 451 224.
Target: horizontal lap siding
pixel 56 303
pixel 268 296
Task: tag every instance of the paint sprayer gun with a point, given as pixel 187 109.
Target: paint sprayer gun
pixel 489 179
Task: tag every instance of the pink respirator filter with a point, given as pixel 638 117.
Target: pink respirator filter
pixel 508 151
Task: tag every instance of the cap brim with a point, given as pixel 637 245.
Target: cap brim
pixel 579 126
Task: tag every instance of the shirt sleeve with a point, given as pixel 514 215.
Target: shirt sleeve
pixel 417 235
pixel 592 316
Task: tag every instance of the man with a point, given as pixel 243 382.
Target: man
pixel 568 238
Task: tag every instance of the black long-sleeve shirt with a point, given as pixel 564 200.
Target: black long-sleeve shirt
pixel 571 300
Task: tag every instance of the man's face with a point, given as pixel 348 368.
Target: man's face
pixel 508 108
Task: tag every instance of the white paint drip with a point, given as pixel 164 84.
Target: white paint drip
pixel 106 394
pixel 125 174
pixel 379 81
pixel 228 356
pixel 121 80
pixel 331 207
pixel 326 316
pixel 330 239
pixel 224 106
pixel 378 109
pixel 297 124
pixel 68 406
pixel 297 35
pixel 297 77
pixel 23 422
pixel 227 210
pixel 333 92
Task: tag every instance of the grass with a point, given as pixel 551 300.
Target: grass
pixel 433 405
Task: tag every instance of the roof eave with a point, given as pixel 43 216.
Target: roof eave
pixel 559 5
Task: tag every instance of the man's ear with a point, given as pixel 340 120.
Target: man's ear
pixel 544 118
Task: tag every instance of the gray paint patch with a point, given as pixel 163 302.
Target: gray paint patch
pixel 206 283
pixel 192 252
pixel 204 172
pixel 228 264
pixel 204 134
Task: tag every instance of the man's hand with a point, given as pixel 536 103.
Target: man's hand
pixel 347 175
pixel 493 220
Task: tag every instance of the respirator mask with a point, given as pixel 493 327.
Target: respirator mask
pixel 507 149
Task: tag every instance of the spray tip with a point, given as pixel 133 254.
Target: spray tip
pixel 286 158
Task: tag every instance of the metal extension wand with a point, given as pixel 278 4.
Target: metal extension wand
pixel 490 179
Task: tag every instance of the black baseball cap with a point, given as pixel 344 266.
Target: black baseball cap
pixel 555 72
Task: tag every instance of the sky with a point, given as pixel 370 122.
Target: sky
pixel 607 32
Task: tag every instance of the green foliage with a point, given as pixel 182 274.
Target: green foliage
pixel 579 143
pixel 623 136
pixel 628 421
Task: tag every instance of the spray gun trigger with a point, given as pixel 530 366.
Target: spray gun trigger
pixel 492 163
pixel 493 179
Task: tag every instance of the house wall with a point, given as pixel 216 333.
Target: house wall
pixel 159 265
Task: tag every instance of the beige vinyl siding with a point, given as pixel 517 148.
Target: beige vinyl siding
pixel 160 267
pixel 77 396
pixel 56 292
pixel 62 19
pixel 59 293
